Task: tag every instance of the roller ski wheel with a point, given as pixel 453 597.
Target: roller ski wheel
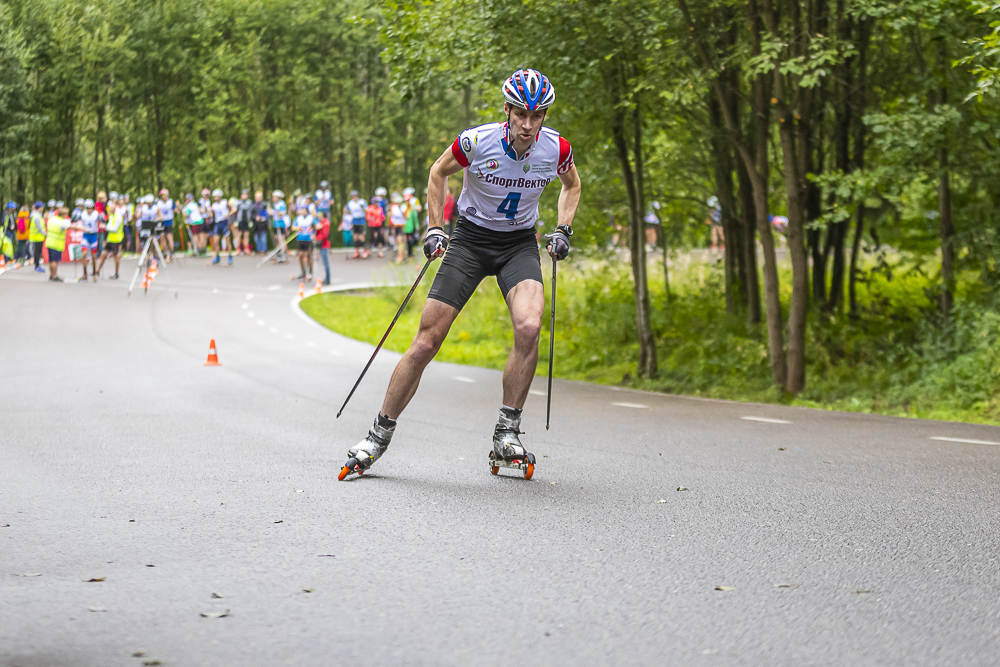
pixel 525 464
pixel 351 467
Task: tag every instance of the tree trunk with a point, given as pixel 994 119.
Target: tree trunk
pixel 947 230
pixel 723 169
pixel 944 203
pixel 864 35
pixel 796 249
pixel 644 330
pixel 749 233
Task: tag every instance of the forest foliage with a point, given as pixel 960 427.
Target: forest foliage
pixel 871 125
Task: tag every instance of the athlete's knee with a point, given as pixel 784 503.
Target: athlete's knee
pixel 425 345
pixel 527 330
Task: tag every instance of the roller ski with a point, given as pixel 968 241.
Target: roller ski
pixel 508 452
pixel 369 450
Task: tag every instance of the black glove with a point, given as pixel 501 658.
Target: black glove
pixel 557 242
pixel 435 243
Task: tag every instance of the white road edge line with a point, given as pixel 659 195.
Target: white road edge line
pixel 965 440
pixel 631 405
pixel 766 420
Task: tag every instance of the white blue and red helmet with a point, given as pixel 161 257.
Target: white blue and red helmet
pixel 529 89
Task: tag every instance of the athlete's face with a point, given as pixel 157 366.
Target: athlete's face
pixel 524 124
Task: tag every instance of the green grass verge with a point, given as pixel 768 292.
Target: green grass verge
pixel 896 360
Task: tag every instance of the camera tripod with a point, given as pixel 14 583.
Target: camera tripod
pixel 151 240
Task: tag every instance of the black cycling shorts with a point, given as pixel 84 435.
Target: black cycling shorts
pixel 476 252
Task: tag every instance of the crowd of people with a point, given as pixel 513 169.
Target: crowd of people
pixel 106 227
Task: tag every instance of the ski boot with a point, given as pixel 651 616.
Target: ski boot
pixel 369 450
pixel 507 450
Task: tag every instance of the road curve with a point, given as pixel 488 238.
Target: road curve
pixel 657 529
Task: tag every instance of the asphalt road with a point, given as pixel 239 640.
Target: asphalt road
pixel 837 539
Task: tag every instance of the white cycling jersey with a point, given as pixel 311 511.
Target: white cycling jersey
pixel 192 213
pixel 166 209
pixel 89 221
pixel 205 205
pixel 500 191
pixel 148 213
pixel 221 210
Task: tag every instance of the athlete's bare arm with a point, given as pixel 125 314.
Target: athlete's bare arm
pixel 437 186
pixel 569 197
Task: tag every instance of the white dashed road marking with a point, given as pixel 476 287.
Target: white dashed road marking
pixel 766 420
pixel 631 405
pixel 462 378
pixel 249 295
pixel 289 336
pixel 250 314
pixel 245 305
pixel 965 440
pixel 260 322
pixel 535 392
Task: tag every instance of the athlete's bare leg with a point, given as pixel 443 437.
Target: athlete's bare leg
pixel 526 303
pixel 435 322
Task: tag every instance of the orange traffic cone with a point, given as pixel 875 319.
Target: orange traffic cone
pixel 302 290
pixel 319 286
pixel 213 356
pixel 3 260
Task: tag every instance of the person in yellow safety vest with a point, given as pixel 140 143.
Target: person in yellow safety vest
pixel 55 240
pixel 36 234
pixel 115 228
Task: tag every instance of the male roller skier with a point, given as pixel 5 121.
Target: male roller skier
pixel 506 165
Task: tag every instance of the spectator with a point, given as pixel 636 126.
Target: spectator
pixel 375 217
pixel 244 220
pixel 324 200
pixel 323 239
pixel 260 218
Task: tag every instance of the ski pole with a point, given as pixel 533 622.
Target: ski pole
pixel 552 340
pixel 277 249
pixel 391 325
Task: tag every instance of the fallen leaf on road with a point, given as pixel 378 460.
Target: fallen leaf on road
pixel 29 574
pixel 725 588
pixel 857 592
pixel 93 580
pixel 282 521
pixel 216 596
pixel 308 590
pixel 327 556
pixel 786 585
pixel 152 663
pixel 138 654
pixel 781 449
pixel 683 488
pixel 215 614
pixel 661 501
pixel 299 491
pixel 553 483
pixel 148 565
pixel 131 520
pixel 96 609
pixel 6 525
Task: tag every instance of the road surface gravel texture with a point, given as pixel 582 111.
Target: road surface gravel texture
pixel 143 495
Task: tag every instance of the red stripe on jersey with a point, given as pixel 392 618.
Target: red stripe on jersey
pixel 565 156
pixel 456 150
